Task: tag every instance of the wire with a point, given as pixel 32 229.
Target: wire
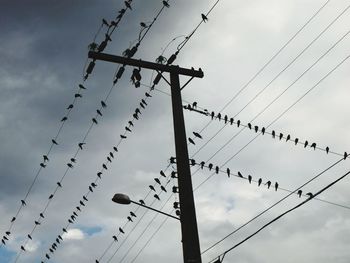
pixel 286 212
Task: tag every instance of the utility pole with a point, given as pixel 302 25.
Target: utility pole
pixel 189 230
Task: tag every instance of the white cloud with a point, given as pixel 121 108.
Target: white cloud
pixel 74 234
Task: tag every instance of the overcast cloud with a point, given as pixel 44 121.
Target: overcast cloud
pixel 43 50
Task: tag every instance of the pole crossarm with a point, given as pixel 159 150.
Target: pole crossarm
pixel 146 64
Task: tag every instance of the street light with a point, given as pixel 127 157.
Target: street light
pixel 125 200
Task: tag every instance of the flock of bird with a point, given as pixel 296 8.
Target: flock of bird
pixel 275 135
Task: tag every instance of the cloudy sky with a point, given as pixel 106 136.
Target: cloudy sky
pixel 43 51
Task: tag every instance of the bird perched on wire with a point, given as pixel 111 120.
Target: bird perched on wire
pixel 300 193
pixel 259 181
pixel 296 140
pixel 197 135
pixel 54 141
pixel 250 178
pixel 276 186
pixel 313 145
pixel 165 3
pixel 273 134
pixel 327 149
pixel 306 143
pixel 156 197
pixel 70 106
pixel 288 138
pixel 281 136
pixel 204 18
pixel 191 141
pixel 263 130
pixel 162 173
pixel 152 188
pixel 94 120
pixel 157 180
pixel 268 183
pixel 127 4
pixel 228 172
pixel 240 175
pixel 81 145
pixel 64 118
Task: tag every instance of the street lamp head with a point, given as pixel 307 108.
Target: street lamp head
pixel 121 199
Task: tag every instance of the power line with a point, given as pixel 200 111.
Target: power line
pixel 286 212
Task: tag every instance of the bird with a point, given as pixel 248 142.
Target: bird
pixel 204 18
pixel 263 130
pixel 74 213
pixel 104 22
pixel 99 112
pixel 70 165
pixel 300 193
pixel 111 154
pixel 132 214
pixel 231 121
pixel 273 134
pixel 225 119
pixel 173 174
pixel 152 188
pixel 238 123
pixel 268 183
pixel 156 197
pixel 70 106
pixel 23 203
pixel 73 160
pixel 115 238
pixel 191 141
pixel 239 174
pixel 313 145
pixel 217 169
pixel 59 236
pixel 94 120
pixel 3 241
pixel 13 219
pixel 219 116
pixel 165 3
pixel 90 189
pixel 42 165
pixel 345 155
pixel 59 184
pixel 37 223
pixel 306 143
pixel 70 221
pixel 109 159
pixel 143 24
pixel 281 136
pixel 288 138
pixel 142 202
pixel 127 129
pixel 129 219
pixel 41 215
pixel 115 149
pixel 210 166
pixel 127 4
pixel 256 128
pixel 82 203
pixel 51 196
pixel 212 115
pixel 104 166
pixel 327 149
pixel 8 233
pixel 54 141
pixel 78 95
pixel 228 172
pixel 135 116
pixel 296 141
pixel 123 136
pixel 103 104
pixel 46 159
pixel 51 250
pixel 142 106
pixel 276 186
pixel 197 135
pixel 250 179
pixel 22 247
pixel 162 173
pixel 93 185
pixel 47 256
pixel 259 181
pixel 64 118
pixel 163 188
pixel 157 180
pixel 130 123
pixel 144 102
pixel 121 230
pixel 249 126
pixel 81 145
pixel 202 163
pixel 310 195
pixel 78 208
pixel 147 95
pixel 29 236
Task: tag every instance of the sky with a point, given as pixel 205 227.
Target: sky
pixel 43 51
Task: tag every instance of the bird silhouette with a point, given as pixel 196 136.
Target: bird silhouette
pixel 70 165
pixel 90 189
pixel 202 163
pixel 47 256
pixel 99 174
pixel 268 183
pixel 37 223
pixel 23 203
pixel 73 160
pixel 64 118
pixel 157 180
pixel 109 159
pixel 127 4
pixel 22 247
pixel 313 145
pixel 81 145
pixel 127 129
pixel 5 238
pixel 204 18
pixel 288 138
pixel 142 202
pixel 163 188
pixel 104 166
pixel 276 186
pixel 273 134
pixel 249 126
pixel 300 192
pixel 238 123
pixel 156 197
pixel 99 112
pixel 162 173
pixel 3 241
pixel 82 203
pixel 142 106
pixel 70 221
pixel 256 128
pixel 239 174
pixel 143 24
pixel 135 116
pixel 144 102
pixel 296 141
pixel 78 208
pixel 130 123
pixel 210 166
pixel 225 119
pixel 115 149
pixel 212 115
pixel 104 22
pixel 249 178
pixel 259 181
pixel 41 215
pixel 263 130
pixel 219 116
pixel 42 165
pixel 54 141
pixel 13 219
pixel 281 136
pixel 327 149
pixel 121 230
pixel 173 174
pixel 132 214
pixel 147 95
pixel 94 120
pixel 123 136
pixel 74 213
pixel 129 219
pixel 197 135
pixel 70 106
pixel 46 159
pixel 103 104
pixel 51 250
pixel 228 172
pixel 59 184
pixel 345 155
pixel 115 238
pixel 30 237
pixel 191 141
pixel 59 236
pixel 217 169
pixel 231 121
pixel 8 233
pixel 165 3
pixel 152 188
pixel 111 154
pixel 310 195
